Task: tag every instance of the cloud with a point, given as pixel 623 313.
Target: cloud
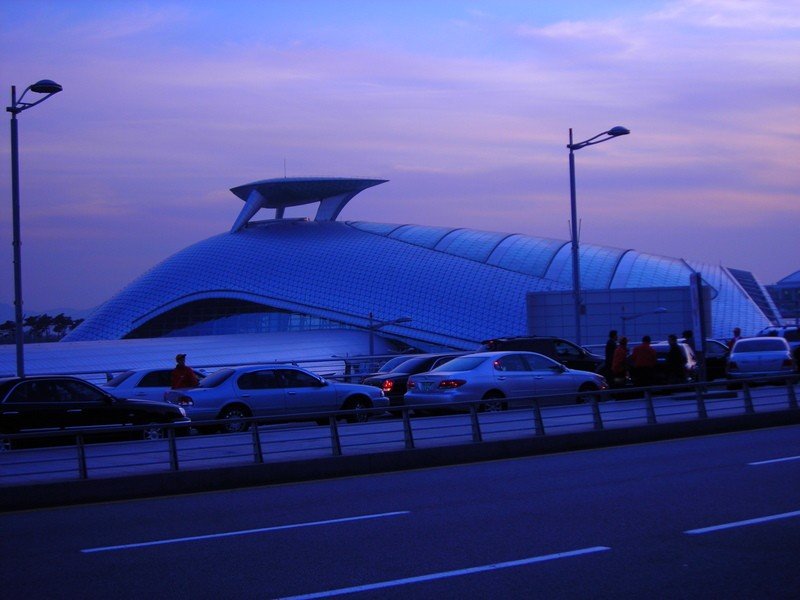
pixel 733 14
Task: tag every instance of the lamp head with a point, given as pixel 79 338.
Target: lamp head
pixel 46 86
pixel 618 130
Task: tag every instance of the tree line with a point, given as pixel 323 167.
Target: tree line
pixel 40 328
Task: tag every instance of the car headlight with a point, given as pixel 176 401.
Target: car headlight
pixel 182 410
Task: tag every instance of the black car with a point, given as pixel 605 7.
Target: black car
pixel 568 354
pixel 55 403
pixel 394 383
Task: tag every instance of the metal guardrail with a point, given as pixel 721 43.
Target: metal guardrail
pixel 268 440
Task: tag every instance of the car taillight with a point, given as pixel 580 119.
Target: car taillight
pixel 449 384
pixel 183 401
pixel 411 384
pixel 787 362
pixel 387 386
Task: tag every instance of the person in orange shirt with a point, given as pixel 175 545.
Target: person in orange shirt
pixel 183 376
pixel 619 364
pixel 644 361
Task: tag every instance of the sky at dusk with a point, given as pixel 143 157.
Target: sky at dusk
pixel 464 106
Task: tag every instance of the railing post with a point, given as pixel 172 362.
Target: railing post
pixel 791 393
pixel 651 410
pixel 701 403
pixel 83 472
pixel 258 455
pixel 476 426
pixel 748 399
pixel 538 421
pixel 173 449
pixel 407 433
pixel 598 419
pixel 336 444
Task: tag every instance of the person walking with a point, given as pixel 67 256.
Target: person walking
pixel 644 361
pixel 676 362
pixel 183 376
pixel 611 346
pixel 619 364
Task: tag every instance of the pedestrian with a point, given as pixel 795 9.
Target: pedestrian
pixel 611 346
pixel 676 362
pixel 643 359
pixel 183 376
pixel 737 335
pixel 619 364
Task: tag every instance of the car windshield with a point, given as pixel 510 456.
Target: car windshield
pixel 393 363
pixel 462 363
pixel 115 381
pixel 762 345
pixel 216 378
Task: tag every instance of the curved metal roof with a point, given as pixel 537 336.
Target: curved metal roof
pixel 461 286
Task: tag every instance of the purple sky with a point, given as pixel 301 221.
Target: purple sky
pixel 464 106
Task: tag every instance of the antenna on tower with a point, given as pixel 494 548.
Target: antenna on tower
pixel 284 168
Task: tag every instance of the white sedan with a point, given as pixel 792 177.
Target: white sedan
pixel 143 384
pixel 282 392
pixel 500 379
pixel 764 356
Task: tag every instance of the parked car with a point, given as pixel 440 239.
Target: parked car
pixel 559 349
pixel 44 403
pixel 281 391
pixel 143 384
pixel 394 383
pixel 500 379
pixel 790 333
pixel 660 376
pixel 760 357
pixel 716 358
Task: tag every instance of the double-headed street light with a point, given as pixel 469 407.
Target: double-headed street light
pixel 48 88
pixel 576 274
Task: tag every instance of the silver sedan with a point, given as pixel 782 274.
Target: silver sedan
pixel 143 384
pixel 283 392
pixel 501 379
pixel 764 356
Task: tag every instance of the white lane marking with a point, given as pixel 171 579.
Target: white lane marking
pixel 774 460
pixel 744 523
pixel 211 536
pixel 445 574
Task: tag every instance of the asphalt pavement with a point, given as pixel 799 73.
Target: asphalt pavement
pixel 709 517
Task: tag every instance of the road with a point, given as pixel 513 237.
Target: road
pixel 711 517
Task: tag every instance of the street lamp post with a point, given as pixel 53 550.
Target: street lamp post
pixel 576 274
pixel 47 87
pixel 373 327
pixel 625 318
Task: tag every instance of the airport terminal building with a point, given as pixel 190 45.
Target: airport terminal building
pixel 419 286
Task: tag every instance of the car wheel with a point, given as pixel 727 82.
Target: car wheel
pixel 236 411
pixel 586 387
pixel 153 431
pixel 493 402
pixel 358 403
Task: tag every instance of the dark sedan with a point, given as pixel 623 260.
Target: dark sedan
pixel 394 383
pixel 48 403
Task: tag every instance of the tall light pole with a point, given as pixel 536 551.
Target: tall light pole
pixel 48 88
pixel 576 273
